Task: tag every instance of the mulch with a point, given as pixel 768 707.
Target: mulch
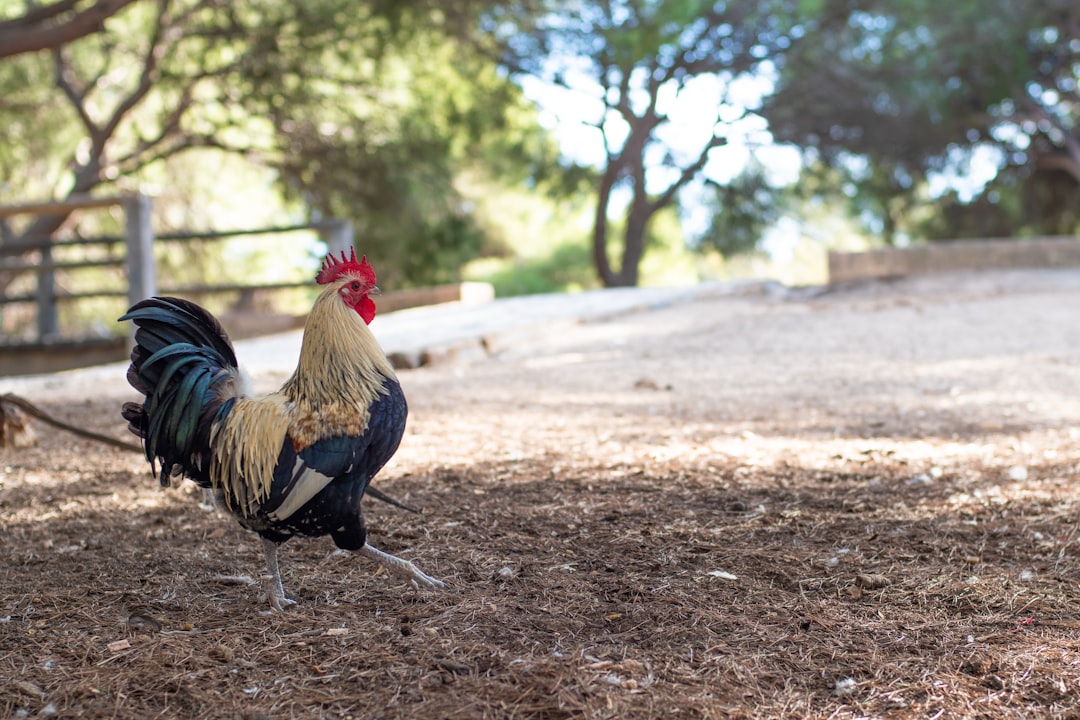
pixel 581 587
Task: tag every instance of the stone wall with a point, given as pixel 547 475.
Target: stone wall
pixel 997 253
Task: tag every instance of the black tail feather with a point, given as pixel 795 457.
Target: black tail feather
pixel 185 366
pixel 177 320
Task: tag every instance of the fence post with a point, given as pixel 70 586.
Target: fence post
pixel 141 270
pixel 48 324
pixel 338 236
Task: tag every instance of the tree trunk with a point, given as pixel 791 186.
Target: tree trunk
pixel 633 246
pixel 600 227
pixel 637 222
pixel 629 163
pixel 633 249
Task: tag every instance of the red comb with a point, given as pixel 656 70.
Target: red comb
pixel 332 268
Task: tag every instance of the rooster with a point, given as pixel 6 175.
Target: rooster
pixel 297 461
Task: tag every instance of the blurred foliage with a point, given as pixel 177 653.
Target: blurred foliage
pixel 892 96
pixel 566 267
pixel 393 167
pixel 534 240
pixel 742 211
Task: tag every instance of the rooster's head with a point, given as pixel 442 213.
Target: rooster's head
pixel 354 281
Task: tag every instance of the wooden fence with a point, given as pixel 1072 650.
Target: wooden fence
pixel 134 251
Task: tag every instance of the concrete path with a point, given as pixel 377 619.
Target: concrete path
pixel 418 335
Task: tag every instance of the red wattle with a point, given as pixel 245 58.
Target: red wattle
pixel 366 309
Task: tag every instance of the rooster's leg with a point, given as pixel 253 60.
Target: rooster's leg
pixel 400 566
pixel 274 590
pixel 207 502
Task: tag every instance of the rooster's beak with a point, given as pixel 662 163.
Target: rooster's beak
pixel 375 290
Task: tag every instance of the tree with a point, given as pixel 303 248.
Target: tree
pixel 641 56
pixel 892 93
pixel 337 95
pixel 150 85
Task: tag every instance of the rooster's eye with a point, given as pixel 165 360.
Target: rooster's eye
pixel 355 285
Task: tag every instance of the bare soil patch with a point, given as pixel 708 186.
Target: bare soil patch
pixel 856 504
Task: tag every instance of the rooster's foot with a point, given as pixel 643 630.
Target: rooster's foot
pixel 278 601
pixel 402 567
pixel 274 590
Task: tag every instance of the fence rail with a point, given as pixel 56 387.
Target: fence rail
pixel 61 207
pixel 182 290
pixel 44 242
pixel 30 244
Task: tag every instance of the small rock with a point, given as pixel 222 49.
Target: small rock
pixel 142 621
pixel 222 653
pixel 1018 473
pixel 977 665
pixel 844 686
pixel 28 688
pixel 452 666
pixel 871 582
pixel 722 574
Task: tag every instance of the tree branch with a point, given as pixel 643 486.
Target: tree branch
pixel 1059 161
pixel 169 126
pixel 65 83
pixel 33 32
pixel 37 15
pixel 668 196
pixel 154 51
pixel 133 163
pixel 36 412
pixel 1069 137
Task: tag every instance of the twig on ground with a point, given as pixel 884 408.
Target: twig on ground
pixel 34 411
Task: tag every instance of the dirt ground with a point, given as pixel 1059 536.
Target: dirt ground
pixel 847 504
